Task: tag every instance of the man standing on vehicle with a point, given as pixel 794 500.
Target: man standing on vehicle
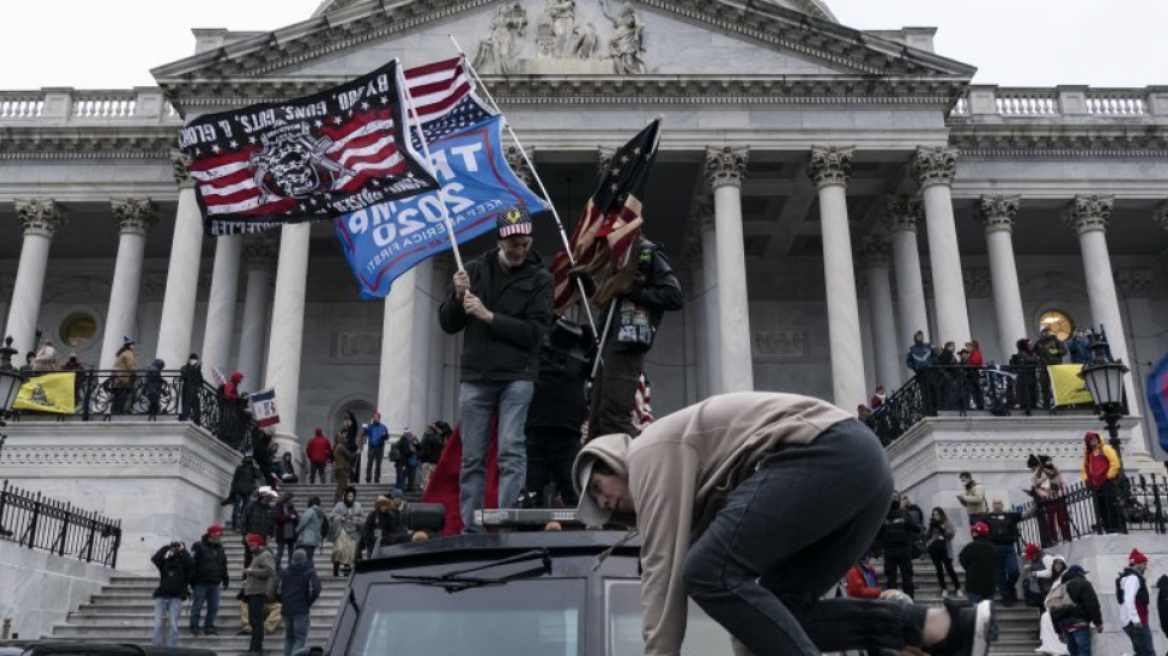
pixel 729 497
pixel 210 572
pixel 502 303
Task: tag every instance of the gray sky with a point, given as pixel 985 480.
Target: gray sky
pixel 104 44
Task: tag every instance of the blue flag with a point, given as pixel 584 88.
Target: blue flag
pixel 1157 389
pixel 386 240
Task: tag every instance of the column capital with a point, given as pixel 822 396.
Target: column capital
pixel 182 170
pixel 875 251
pixel 260 250
pixel 135 216
pixel 902 212
pixel 978 282
pixel 1161 215
pixel 726 166
pixel 519 164
pixel 603 158
pixel 40 216
pixel 934 166
pixel 998 212
pixel 1089 212
pixel 1133 283
pixel 830 165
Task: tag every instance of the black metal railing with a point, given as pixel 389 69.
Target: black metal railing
pixel 995 390
pixel 106 394
pixel 1132 504
pixel 34 521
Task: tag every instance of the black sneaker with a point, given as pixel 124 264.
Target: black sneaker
pixel 969 632
pixel 211 632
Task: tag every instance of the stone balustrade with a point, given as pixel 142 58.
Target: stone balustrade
pixel 986 101
pixel 141 105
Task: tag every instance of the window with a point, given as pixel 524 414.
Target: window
pixel 78 329
pixel 703 636
pixel 1059 323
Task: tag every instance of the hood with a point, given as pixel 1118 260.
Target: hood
pixel 1022 344
pixel 1092 434
pixel 613 450
pixel 157 365
pixel 236 377
pixel 1162 582
pixel 1074 572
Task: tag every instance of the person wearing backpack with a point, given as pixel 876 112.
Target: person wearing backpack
pixel 1074 609
pixel 405 461
pixel 377 433
pixel 311 528
pixel 1131 591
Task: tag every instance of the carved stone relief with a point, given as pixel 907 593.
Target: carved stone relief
pixel 781 345
pixel 357 347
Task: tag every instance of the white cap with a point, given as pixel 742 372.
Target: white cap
pixel 588 511
pixel 266 491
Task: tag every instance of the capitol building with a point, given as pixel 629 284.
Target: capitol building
pixel 822 192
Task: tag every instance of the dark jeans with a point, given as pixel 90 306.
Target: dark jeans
pixel 1079 642
pixel 1006 577
pixel 761 567
pixel 295 633
pixel 191 404
pixel 373 467
pixel 1141 640
pixel 903 565
pixel 614 392
pixel 944 564
pixel 315 469
pixel 406 477
pixel 255 617
pixel 549 459
pixel 281 545
pixel 204 592
pixel 1107 513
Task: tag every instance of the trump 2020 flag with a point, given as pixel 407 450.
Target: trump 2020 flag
pixel 386 240
pixel 1157 389
pixel 263 408
pixel 309 159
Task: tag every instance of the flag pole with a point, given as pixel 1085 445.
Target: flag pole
pixel 534 174
pixel 430 168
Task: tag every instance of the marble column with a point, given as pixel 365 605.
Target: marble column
pixel 885 337
pixel 902 216
pixel 403 382
pixel 260 251
pixel 221 305
pixel 182 277
pixel 934 169
pixel 726 172
pixel 710 304
pixel 40 219
pixel 135 217
pixel 997 214
pixel 1089 215
pixel 829 169
pixel 285 348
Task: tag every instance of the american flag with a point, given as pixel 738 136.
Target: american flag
pixel 319 157
pixel 611 221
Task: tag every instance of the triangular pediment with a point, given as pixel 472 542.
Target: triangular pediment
pixel 703 38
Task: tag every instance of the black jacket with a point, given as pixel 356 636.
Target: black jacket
pixel 1003 527
pixel 192 378
pixel 431 450
pixel 656 288
pixel 1162 602
pixel 558 406
pixel 210 564
pixel 299 589
pixel 980 562
pixel 246 480
pixel 174 570
pixel 393 528
pixel 897 535
pixel 507 349
pixel 259 518
pixel 1086 607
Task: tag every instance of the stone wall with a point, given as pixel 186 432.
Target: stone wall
pixel 39 589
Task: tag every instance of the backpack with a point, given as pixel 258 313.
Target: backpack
pixel 395 452
pixel 1059 599
pixel 324 524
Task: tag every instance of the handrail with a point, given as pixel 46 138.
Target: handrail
pixel 38 522
pixel 1134 504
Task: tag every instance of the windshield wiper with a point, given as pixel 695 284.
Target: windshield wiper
pixel 457 581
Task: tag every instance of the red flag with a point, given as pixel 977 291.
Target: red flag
pixel 443 487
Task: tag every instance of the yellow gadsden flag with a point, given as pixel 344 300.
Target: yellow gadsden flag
pixel 48 393
pixel 1068 388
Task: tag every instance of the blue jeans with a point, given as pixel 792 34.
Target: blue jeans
pixel 1079 642
pixel 172 606
pixel 1007 576
pixel 1141 640
pixel 478 402
pixel 768 557
pixel 255 618
pixel 209 593
pixel 295 633
pixel 975 598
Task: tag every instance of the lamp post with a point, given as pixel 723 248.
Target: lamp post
pixel 1104 379
pixel 10 382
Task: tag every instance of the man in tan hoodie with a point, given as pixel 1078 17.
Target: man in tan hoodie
pixel 755 505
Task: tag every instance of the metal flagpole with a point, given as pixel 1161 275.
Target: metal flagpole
pixel 430 167
pixel 535 174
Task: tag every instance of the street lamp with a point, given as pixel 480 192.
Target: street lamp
pixel 1104 379
pixel 10 380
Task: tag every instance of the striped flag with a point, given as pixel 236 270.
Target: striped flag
pixel 1157 389
pixel 611 221
pixel 317 157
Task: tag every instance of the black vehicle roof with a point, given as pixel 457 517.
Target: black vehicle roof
pixel 36 647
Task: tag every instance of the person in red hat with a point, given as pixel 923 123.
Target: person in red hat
pixel 1131 591
pixel 319 452
pixel 1101 474
pixel 210 572
pixel 260 586
pixel 980 561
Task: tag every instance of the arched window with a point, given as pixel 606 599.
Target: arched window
pixel 361 408
pixel 1059 323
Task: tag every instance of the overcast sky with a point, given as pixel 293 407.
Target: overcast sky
pixel 103 44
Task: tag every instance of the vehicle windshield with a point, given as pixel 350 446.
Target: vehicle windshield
pixel 523 617
pixel 703 636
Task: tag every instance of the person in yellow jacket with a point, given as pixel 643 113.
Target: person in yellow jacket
pixel 1101 472
pixel 755 505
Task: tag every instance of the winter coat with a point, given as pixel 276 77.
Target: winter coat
pixel 210 563
pixel 681 470
pixel 286 518
pixel 1100 465
pixel 258 518
pixel 342 457
pixel 46 359
pixel 246 480
pixel 1003 527
pixel 347 518
pixel 974 499
pixel 262 580
pixel 1086 608
pixel 896 536
pixel 299 589
pixel 175 571
pixel 858 586
pixel 377 434
pixel 558 405
pixel 391 524
pixel 319 450
pixel 405 449
pixel 152 387
pixel 507 349
pixel 431 449
pixel 191 376
pixel 920 357
pixel 309 529
pixel 657 291
pixel 124 365
pixel 1162 602
pixel 1050 350
pixel 942 531
pixel 980 562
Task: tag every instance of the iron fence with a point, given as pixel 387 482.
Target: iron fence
pixel 994 390
pixel 34 521
pixel 105 394
pixel 1131 504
